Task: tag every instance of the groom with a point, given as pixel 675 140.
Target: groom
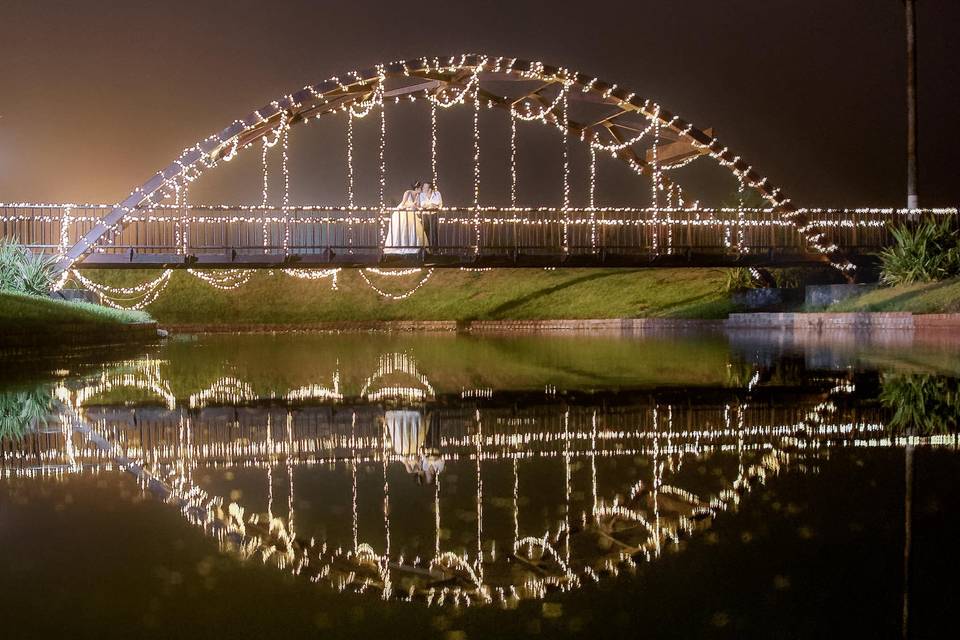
pixel 429 200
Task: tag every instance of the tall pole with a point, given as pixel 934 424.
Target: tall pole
pixel 912 169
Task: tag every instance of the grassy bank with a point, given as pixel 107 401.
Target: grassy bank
pixel 33 323
pixel 20 311
pixel 275 298
pixel 934 297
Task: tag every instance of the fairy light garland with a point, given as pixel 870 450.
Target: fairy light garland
pixel 591 195
pixel 142 295
pixel 350 197
pixel 176 223
pixel 224 280
pixel 741 216
pixel 655 182
pixel 513 161
pixel 566 167
pixel 433 144
pixel 476 169
pixel 185 219
pixel 393 273
pixel 383 163
pixel 65 223
pixel 286 189
pixel 265 192
pixel 396 296
pixel 322 274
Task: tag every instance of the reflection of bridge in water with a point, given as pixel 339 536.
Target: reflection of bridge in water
pixel 615 477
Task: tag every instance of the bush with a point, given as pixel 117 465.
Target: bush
pixel 24 272
pixel 739 279
pixel 926 252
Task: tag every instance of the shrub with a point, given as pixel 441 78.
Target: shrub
pixel 926 252
pixel 739 279
pixel 11 257
pixel 24 272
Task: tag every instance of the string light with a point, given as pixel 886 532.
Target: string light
pixel 225 280
pixel 741 216
pixel 350 199
pixel 322 274
pixel 476 168
pixel 138 296
pixel 566 166
pixel 185 224
pixel 383 161
pixel 266 190
pixel 177 243
pixel 655 183
pixel 433 144
pixel 513 161
pixel 592 199
pixel 397 296
pixel 286 190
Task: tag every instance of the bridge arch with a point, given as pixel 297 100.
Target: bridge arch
pixel 457 80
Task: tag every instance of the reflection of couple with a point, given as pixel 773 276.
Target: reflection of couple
pixel 410 230
pixel 416 440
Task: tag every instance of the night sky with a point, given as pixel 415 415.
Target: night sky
pixel 97 96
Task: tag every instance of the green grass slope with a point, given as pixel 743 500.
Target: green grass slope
pixel 20 311
pixel 273 297
pixel 935 297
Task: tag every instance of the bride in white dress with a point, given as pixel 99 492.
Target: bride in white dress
pixel 405 233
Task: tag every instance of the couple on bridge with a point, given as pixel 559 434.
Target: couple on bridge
pixel 413 224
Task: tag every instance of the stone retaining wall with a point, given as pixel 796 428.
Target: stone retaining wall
pixel 337 326
pixel 820 321
pixel 618 325
pixel 792 322
pixel 941 321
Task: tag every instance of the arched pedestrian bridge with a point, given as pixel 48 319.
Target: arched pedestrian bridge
pixel 158 226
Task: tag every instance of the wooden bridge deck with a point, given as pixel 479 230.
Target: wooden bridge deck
pixel 212 237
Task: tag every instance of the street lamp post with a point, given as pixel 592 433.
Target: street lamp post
pixel 912 168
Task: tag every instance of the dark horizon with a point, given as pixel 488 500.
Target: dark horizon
pixel 98 96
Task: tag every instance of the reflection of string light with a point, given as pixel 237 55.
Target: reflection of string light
pixel 347 569
pixel 389 364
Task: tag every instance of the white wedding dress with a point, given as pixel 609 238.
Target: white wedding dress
pixel 405 233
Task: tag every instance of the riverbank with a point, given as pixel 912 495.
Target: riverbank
pixel 625 301
pixel 31 322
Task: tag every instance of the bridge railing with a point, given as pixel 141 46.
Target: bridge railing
pixel 254 231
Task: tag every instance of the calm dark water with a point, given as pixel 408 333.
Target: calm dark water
pixel 451 486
